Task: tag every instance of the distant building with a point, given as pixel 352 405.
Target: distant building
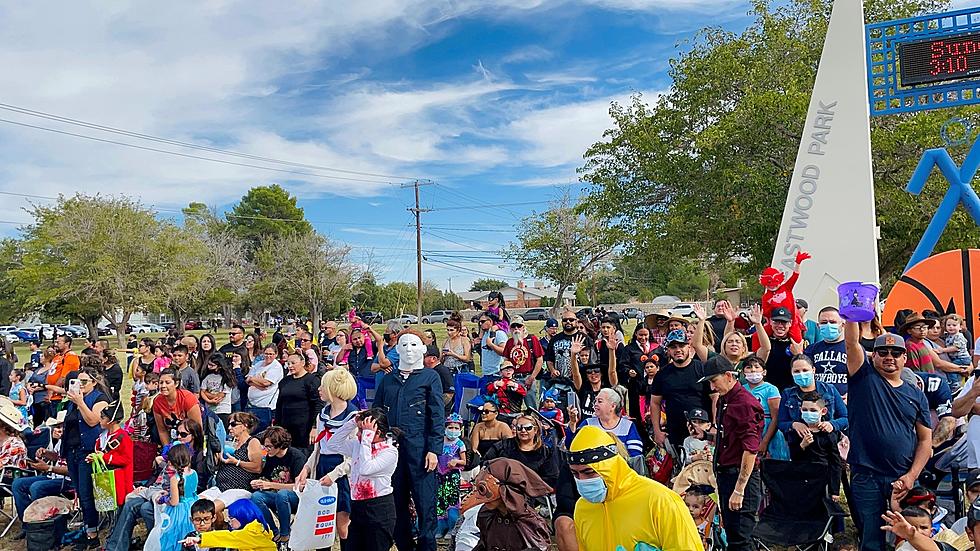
pixel 521 296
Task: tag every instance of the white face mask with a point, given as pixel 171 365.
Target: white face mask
pixel 754 378
pixel 410 352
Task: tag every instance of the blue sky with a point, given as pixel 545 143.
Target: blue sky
pixel 494 102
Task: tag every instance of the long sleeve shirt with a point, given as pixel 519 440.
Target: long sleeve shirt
pixel 368 464
pixel 740 426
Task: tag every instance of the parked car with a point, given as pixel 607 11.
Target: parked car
pixel 683 310
pixel 43 329
pixel 147 328
pixel 193 324
pixel 536 314
pixel 168 325
pixel 407 319
pixel 633 313
pixel 26 334
pixel 105 330
pixel 438 316
pixel 10 337
pixel 370 317
pixel 587 311
pixel 73 331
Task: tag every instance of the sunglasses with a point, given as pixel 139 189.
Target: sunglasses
pixel 306 340
pixel 893 352
pixel 569 320
pixel 234 424
pixel 183 434
pixel 524 428
pixel 487 411
pixel 84 381
pixel 232 334
pixel 594 370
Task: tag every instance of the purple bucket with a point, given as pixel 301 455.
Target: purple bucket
pixel 857 300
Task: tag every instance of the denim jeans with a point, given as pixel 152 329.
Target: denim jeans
pixel 264 415
pixel 126 516
pixel 740 524
pixel 31 488
pixel 533 391
pixel 870 494
pixel 284 502
pixel 80 473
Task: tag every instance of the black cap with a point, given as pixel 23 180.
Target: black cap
pixel 780 314
pixel 716 365
pixel 697 414
pixel 973 480
pixel 431 350
pixel 800 303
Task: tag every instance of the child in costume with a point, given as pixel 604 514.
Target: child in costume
pixel 779 294
pixel 451 462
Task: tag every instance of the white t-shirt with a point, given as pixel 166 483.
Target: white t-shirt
pixel 213 384
pixel 265 397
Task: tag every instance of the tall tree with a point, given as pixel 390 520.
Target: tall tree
pixel 561 245
pixel 306 272
pixel 267 212
pixel 92 252
pixel 488 284
pixel 702 172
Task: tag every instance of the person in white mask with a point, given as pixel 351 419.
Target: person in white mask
pixel 412 399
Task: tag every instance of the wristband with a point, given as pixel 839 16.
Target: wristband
pixel 238 462
pixel 738 493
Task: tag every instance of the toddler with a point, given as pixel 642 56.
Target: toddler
pixel 956 346
pixel 357 325
pixel 506 391
pixel 705 513
pixel 817 445
pixel 18 392
pixel 162 360
pixel 549 407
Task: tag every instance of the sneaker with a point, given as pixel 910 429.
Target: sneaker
pixel 82 544
pixel 20 535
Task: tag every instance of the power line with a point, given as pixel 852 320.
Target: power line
pixel 190 145
pixel 477 206
pixel 468 270
pixel 189 156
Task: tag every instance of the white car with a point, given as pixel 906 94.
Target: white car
pixel 9 336
pixel 407 319
pixel 683 310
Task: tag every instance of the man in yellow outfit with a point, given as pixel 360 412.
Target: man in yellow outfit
pixel 619 510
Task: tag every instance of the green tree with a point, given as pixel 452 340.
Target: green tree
pixel 266 212
pixel 561 245
pixel 488 284
pixel 92 254
pixel 701 173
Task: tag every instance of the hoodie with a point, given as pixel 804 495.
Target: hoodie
pixel 638 513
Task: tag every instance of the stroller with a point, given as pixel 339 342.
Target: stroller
pixel 800 511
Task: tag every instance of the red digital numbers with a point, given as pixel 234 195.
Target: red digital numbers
pixel 950 56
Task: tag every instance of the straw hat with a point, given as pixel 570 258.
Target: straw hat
pixel 57 420
pixel 10 415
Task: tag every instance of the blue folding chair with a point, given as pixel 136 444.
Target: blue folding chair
pixel 467 387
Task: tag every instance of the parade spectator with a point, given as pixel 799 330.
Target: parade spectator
pixel 451 463
pixel 299 402
pixel 921 356
pixel 359 358
pixel 65 364
pixel 645 512
pixel 263 390
pixel 733 344
pixel 506 391
pixel 889 431
pixel 82 429
pixel 740 423
pixel 457 352
pixel 680 385
pixel 558 355
pixel 525 353
pixel 810 327
pixel 186 374
pixel 217 386
pixel 489 430
pixel 239 466
pixel 274 490
pixel 632 370
pixel 782 348
pixel 608 405
pixel 718 321
pixel 236 344
pixel 115 446
pixel 51 466
pixel 432 362
pixel 527 447
pixel 249 531
pixel 206 349
pixel 492 341
pixel 507 519
pixel 773 441
pixel 828 352
pixel 812 443
pixel 37 385
pixel 790 418
pixel 172 405
pixel 550 330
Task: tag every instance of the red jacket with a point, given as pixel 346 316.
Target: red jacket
pixel 118 454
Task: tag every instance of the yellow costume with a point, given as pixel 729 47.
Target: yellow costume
pixel 252 537
pixel 637 514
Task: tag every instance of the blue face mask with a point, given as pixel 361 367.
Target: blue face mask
pixel 592 490
pixel 811 417
pixel 828 332
pixel 804 379
pixel 453 434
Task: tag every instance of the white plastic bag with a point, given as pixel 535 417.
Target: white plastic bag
pixel 315 524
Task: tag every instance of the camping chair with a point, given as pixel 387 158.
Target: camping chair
pixel 800 511
pixel 467 388
pixel 366 388
pixel 7 476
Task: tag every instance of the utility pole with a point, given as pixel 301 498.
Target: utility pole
pixel 417 211
pixel 450 285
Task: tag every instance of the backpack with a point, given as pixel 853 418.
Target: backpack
pixel 214 437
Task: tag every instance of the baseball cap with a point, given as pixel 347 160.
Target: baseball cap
pixel 889 340
pixel 517 320
pixel 677 335
pixel 431 350
pixel 552 322
pixel 506 364
pixel 780 314
pixel 973 480
pixel 697 414
pixel 716 365
pixel 800 303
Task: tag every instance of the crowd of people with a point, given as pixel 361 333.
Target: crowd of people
pixel 586 435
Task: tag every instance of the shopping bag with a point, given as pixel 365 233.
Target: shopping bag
pixel 103 485
pixel 315 521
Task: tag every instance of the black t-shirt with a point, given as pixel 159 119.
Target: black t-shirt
pixel 586 399
pixel 113 379
pixel 448 384
pixel 241 349
pixel 778 364
pixel 283 470
pixel 559 351
pixel 681 392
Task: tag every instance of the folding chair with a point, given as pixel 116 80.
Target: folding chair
pixel 467 387
pixel 7 476
pixel 366 389
pixel 800 511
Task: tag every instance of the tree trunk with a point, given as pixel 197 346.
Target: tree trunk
pixel 179 320
pixel 92 324
pixel 315 314
pixel 121 329
pixel 226 314
pixel 557 308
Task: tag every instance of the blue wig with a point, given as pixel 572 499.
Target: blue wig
pixel 244 511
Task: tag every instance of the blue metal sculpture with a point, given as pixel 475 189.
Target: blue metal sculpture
pixel 959 192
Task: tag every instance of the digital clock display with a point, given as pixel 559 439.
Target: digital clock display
pixel 939 59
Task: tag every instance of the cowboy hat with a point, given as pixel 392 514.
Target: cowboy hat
pixel 913 319
pixel 58 420
pixel 11 416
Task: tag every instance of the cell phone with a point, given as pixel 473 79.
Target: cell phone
pixel 73 386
